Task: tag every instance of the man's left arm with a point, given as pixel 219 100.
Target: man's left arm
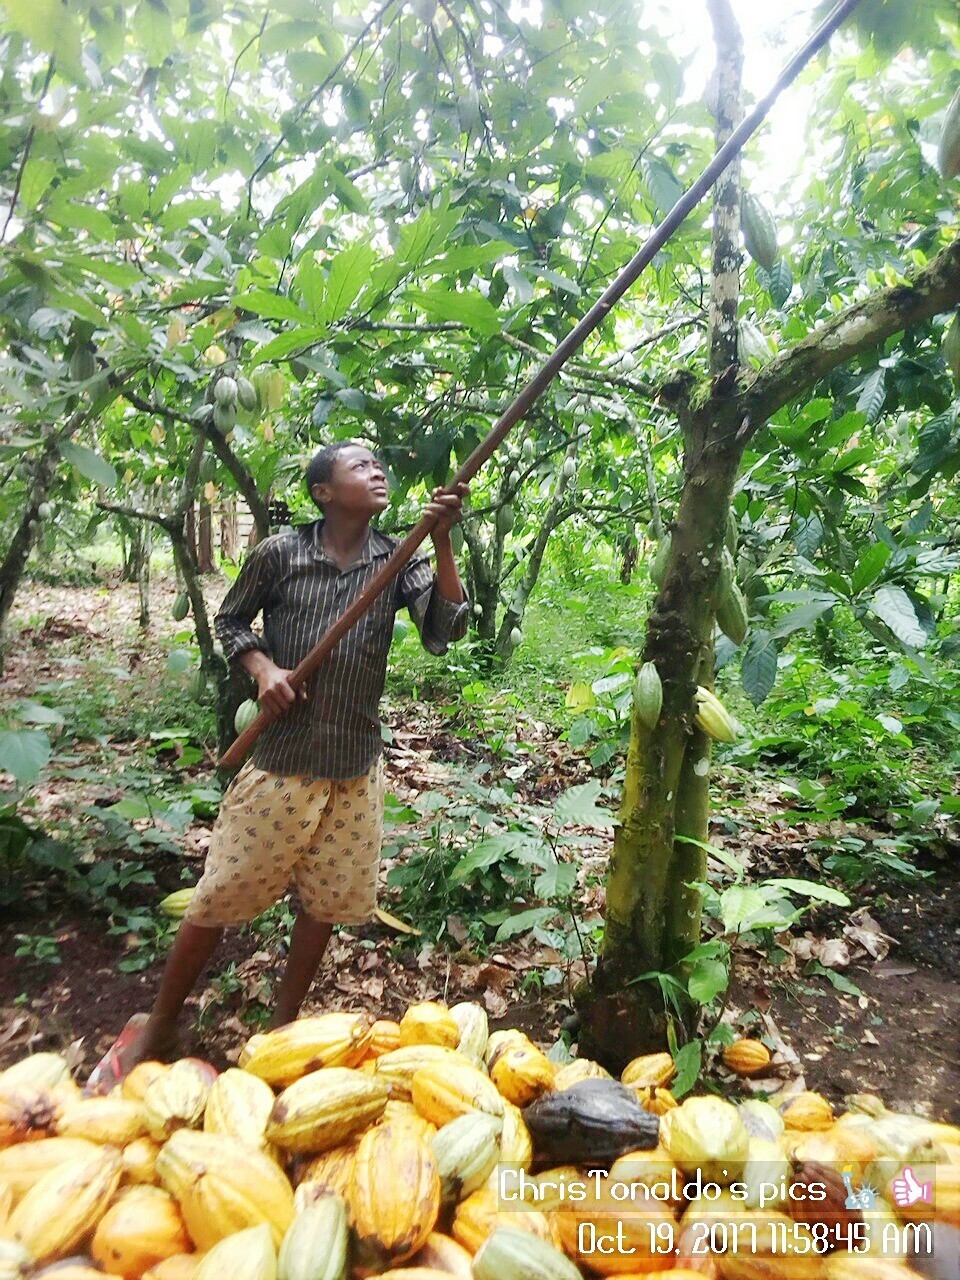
pixel 437 601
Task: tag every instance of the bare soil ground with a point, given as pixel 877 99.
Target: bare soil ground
pixel 894 1030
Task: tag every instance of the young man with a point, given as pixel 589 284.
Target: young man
pixel 308 806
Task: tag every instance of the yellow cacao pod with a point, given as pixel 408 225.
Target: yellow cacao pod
pixel 807 1111
pixel 325 1108
pixel 479 1216
pixel 706 1134
pixel 397 1069
pixel 652 1071
pixel 26 1163
pixel 176 1100
pixel 140 1162
pixel 246 1255
pixel 239 1105
pixel 136 1084
pixel 141 1229
pixel 712 717
pixel 746 1057
pixel 572 1073
pixel 65 1205
pixel 316 1246
pixel 446 1090
pixel 636 1232
pixel 394 1196
pixel 182 1266
pixel 68 1270
pixel 516 1144
pixel 330 1172
pixel 40 1070
pixel 471 1019
pixel 384 1038
pixel 500 1041
pixel 522 1074
pixel 109 1121
pixel 329 1040
pixel 429 1023
pixel 223 1187
pixel 399 1112
pixel 442 1253
pixel 657 1101
pixel 27 1114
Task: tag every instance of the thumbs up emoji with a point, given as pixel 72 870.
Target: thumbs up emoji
pixel 907 1190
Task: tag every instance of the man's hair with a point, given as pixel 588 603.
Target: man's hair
pixel 320 468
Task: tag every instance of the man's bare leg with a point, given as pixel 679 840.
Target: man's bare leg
pixel 309 942
pixel 192 948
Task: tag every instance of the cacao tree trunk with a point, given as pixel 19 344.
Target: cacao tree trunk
pixel 229 534
pixel 652 919
pixel 27 531
pixel 143 577
pixel 206 560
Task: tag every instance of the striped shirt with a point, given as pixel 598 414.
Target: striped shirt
pixel 301 591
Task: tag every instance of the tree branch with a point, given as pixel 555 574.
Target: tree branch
pixel 725 277
pixel 863 327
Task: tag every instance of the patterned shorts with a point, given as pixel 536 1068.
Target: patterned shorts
pixel 323 834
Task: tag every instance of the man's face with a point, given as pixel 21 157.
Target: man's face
pixel 357 486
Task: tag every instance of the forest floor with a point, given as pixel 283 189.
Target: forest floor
pixel 857 999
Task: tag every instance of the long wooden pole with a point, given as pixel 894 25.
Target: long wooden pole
pixel 531 393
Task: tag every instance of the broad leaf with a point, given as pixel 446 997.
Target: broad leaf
pixel 758 666
pixel 579 805
pixel 89 464
pixel 895 609
pixel 810 889
pixel 523 921
pixel 23 752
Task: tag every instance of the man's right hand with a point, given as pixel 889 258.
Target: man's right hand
pixel 273 691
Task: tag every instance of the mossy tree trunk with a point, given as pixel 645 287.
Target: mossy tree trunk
pixel 652 919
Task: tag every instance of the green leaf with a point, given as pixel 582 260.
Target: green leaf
pixel 523 921
pixel 23 752
pixel 469 307
pixel 781 281
pixel 869 567
pixel 662 185
pixel 687 1061
pixel 708 978
pixel 801 618
pixel 808 534
pixel 758 666
pixel 272 305
pixel 895 609
pixel 558 881
pixel 288 344
pixel 349 272
pixel 507 844
pixel 89 464
pixel 873 394
pixel 738 904
pixel 810 889
pixel 49 27
pixel 579 805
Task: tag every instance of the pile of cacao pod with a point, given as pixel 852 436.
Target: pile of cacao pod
pixel 343 1147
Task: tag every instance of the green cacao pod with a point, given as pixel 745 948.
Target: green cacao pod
pixel 948 151
pixel 759 231
pixel 510 1254
pixel 316 1245
pixel 246 713
pixel 505 519
pixel 181 607
pixel 271 388
pixel 569 468
pixel 658 567
pixel 225 391
pixel 224 417
pixel 732 615
pixel 83 363
pixel 527 449
pixel 44 511
pixel 648 695
pixel 753 343
pixel 727 576
pixel 246 394
pixel 732 535
pixel 516 637
pixel 466 1151
pixel 208 468
pixel 712 717
pixel 198 685
pixel 951 347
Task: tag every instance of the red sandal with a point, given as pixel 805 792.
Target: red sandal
pixel 110 1071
